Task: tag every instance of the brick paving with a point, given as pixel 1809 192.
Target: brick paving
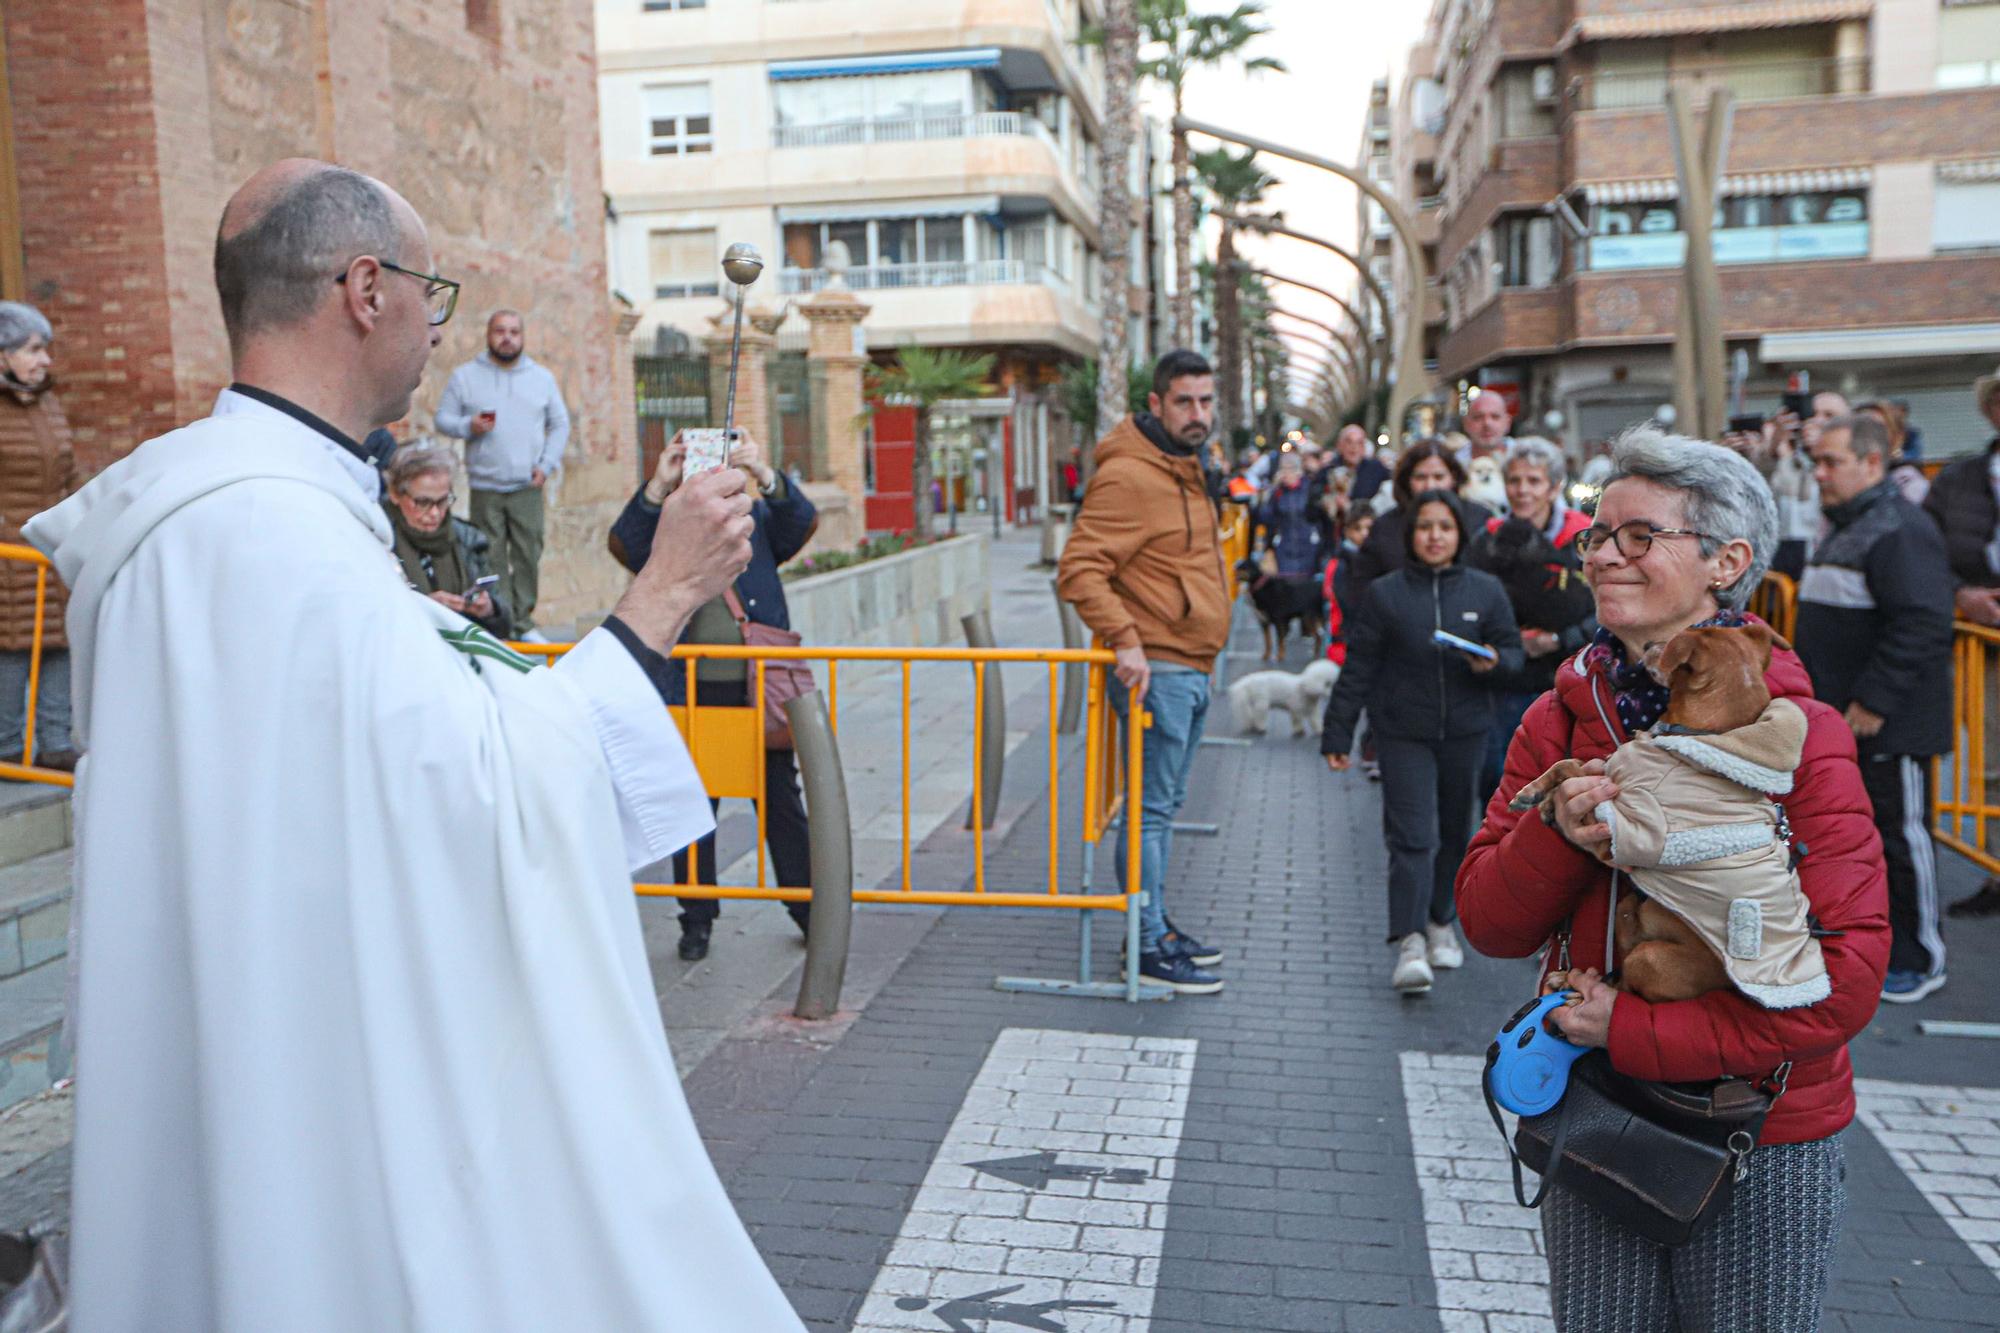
pixel 1323 1122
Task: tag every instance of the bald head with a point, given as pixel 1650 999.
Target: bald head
pixel 289 232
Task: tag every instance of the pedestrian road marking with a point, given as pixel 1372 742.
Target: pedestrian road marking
pixel 1046 1205
pixel 1947 1140
pixel 1486 1250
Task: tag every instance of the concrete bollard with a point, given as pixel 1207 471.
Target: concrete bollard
pixel 993 728
pixel 1075 675
pixel 828 933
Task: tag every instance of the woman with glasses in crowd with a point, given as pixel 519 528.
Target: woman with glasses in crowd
pixel 443 557
pixel 1428 465
pixel 1682 537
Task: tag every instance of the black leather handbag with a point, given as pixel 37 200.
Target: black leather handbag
pixel 1659 1159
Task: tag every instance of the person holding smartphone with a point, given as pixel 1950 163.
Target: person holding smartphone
pixel 443 557
pixel 784 520
pixel 1430 707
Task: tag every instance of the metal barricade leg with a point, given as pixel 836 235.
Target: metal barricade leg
pixel 1073 673
pixel 993 723
pixel 829 930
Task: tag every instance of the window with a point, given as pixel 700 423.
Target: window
pixel 1968 46
pixel 872 97
pixel 684 263
pixel 667 6
pixel 896 241
pixel 944 241
pixel 678 120
pixel 1529 251
pixel 1527 101
pixel 1967 215
pixel 1749 229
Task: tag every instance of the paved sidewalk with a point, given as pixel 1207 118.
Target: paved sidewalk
pixel 1327 1169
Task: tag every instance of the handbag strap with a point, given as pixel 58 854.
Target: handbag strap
pixel 1556 1142
pixel 735 605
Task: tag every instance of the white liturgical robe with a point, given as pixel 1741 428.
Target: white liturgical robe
pixel 365 1034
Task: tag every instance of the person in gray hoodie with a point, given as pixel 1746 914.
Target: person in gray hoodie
pixel 508 409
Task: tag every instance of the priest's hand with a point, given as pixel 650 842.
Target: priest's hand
pixel 450 601
pixel 701 544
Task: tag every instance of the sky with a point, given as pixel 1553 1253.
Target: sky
pixel 1333 50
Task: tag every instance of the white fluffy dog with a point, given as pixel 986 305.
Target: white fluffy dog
pixel 1304 696
pixel 1485 484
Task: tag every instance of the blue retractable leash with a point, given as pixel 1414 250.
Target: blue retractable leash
pixel 1527 1071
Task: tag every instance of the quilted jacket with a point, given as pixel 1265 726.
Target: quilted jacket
pixel 1522 881
pixel 37 471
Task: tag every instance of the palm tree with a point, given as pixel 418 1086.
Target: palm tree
pixel 923 377
pixel 1234 184
pixel 1176 43
pixel 1119 38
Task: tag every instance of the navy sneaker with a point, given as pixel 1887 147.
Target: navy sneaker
pixel 1907 987
pixel 1177 973
pixel 1178 941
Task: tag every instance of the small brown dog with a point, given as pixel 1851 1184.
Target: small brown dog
pixel 1716 675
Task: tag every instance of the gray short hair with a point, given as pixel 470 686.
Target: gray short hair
pixel 1866 435
pixel 411 461
pixel 1538 452
pixel 20 322
pixel 1722 494
pixel 275 271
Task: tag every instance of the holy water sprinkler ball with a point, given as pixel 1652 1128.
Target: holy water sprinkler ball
pixel 741 263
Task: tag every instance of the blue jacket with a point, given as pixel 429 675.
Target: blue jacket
pixel 1289 519
pixel 783 527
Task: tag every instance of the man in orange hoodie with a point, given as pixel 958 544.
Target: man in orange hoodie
pixel 1143 567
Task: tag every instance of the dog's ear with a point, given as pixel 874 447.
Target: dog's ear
pixel 1678 652
pixel 1766 637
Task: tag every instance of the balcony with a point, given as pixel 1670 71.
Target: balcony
pixel 946 273
pixel 912 129
pixel 1771 81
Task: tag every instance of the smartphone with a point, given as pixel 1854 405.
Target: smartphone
pixel 1751 423
pixel 707 449
pixel 479 585
pixel 1798 404
pixel 1450 640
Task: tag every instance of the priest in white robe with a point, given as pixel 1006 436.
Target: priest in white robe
pixel 366 1037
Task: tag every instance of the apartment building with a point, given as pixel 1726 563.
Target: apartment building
pixel 1857 232
pixel 942 154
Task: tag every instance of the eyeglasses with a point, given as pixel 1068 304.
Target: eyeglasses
pixel 441 293
pixel 1632 539
pixel 423 506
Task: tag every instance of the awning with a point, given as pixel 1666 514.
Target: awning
pixel 1881 344
pixel 1758 183
pixel 1713 18
pixel 980 205
pixel 911 62
pixel 1970 173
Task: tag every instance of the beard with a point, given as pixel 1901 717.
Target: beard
pixel 505 358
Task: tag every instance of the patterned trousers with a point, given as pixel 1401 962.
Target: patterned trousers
pixel 1762 1264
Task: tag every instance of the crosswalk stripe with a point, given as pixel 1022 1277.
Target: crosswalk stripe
pixel 1486 1250
pixel 1046 1205
pixel 1947 1141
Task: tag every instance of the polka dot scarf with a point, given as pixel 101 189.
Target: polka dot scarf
pixel 1639 698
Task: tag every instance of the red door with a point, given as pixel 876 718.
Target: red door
pixel 890 507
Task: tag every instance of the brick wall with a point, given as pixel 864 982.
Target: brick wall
pixel 136 119
pixel 1526 173
pixel 1598 309
pixel 1797 134
pixel 91 225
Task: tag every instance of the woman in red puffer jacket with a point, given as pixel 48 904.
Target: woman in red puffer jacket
pixel 1683 533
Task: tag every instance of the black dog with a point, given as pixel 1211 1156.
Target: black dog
pixel 1545 592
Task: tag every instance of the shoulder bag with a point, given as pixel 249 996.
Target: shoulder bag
pixel 783 680
pixel 1659 1159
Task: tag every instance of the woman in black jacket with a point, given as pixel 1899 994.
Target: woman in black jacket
pixel 1428 465
pixel 1430 709
pixel 784 520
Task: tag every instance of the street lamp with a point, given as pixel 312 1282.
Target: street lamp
pixel 1413 381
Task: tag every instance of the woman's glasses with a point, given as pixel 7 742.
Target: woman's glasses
pixel 1632 539
pixel 430 506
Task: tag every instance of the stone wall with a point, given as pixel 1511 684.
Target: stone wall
pixel 136 119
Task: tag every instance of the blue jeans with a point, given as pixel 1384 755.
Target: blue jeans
pixel 1178 700
pixel 51 704
pixel 1509 707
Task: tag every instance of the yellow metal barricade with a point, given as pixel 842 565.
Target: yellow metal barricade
pixel 26 770
pixel 727 745
pixel 1235 542
pixel 1776 603
pixel 1962 807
